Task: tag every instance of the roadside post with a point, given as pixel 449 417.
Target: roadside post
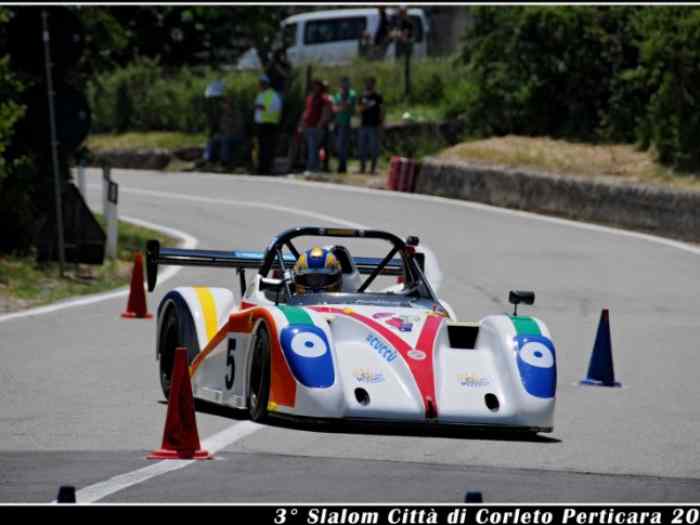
pixel 58 186
pixel 81 177
pixel 106 179
pixel 110 199
pixel 112 219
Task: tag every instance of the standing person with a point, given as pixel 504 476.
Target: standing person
pixel 381 37
pixel 317 113
pixel 279 71
pixel 233 132
pixel 268 110
pixel 326 139
pixel 404 34
pixel 371 106
pixel 344 108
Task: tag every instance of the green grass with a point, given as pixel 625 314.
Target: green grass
pixel 170 140
pixel 621 161
pixel 24 283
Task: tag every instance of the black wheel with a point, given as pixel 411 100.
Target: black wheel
pixel 177 329
pixel 259 384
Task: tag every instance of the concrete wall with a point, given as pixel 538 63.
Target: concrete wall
pixel 606 200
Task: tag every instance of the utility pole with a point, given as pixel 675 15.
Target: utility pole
pixel 54 143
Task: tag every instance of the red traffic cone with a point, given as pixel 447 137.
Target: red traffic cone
pixel 180 437
pixel 136 307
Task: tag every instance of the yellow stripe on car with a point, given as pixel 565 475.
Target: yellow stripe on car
pixel 206 300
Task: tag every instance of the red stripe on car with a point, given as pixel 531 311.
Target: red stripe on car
pixel 422 369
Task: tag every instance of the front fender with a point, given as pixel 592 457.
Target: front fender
pixel 208 307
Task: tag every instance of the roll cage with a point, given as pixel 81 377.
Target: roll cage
pixel 408 264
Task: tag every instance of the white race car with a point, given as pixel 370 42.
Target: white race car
pixel 397 354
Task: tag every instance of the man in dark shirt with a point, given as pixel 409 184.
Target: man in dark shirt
pixel 371 107
pixel 403 34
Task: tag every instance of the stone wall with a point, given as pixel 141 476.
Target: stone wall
pixel 664 211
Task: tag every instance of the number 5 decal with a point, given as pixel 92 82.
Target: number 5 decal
pixel 230 363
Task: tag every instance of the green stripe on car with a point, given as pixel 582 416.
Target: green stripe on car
pixel 295 314
pixel 525 325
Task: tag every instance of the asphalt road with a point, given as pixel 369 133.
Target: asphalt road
pixel 80 401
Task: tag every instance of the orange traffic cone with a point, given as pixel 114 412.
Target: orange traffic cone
pixel 136 307
pixel 180 437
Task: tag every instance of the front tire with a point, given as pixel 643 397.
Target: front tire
pixel 259 384
pixel 177 329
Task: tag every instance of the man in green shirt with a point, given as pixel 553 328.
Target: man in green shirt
pixel 344 108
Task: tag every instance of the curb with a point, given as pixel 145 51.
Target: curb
pixel 663 211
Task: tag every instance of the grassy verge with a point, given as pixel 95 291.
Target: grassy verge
pixel 24 283
pixel 145 140
pixel 558 156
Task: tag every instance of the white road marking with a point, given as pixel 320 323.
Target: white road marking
pixel 687 247
pixel 434 274
pixel 213 444
pixel 188 242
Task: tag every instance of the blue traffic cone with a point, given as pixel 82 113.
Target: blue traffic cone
pixel 600 369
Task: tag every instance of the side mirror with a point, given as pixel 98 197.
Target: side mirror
pixel 152 254
pixel 515 297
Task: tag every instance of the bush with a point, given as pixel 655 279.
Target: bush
pixel 670 70
pixel 545 70
pixel 17 211
pixel 144 96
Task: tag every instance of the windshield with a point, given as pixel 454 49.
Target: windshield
pixel 365 299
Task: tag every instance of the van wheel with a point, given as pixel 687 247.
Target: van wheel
pixel 259 384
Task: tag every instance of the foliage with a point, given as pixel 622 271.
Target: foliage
pixel 16 182
pixel 545 70
pixel 175 35
pixel 586 73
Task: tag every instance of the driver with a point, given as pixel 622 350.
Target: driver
pixel 317 270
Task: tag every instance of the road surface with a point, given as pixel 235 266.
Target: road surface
pixel 81 403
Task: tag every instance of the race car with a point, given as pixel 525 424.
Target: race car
pixel 309 337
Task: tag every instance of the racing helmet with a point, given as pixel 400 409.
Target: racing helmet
pixel 317 270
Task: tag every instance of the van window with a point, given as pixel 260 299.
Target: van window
pixel 334 29
pixel 289 36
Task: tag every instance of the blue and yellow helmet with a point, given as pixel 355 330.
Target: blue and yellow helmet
pixel 317 270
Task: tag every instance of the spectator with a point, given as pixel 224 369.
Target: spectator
pixel 268 110
pixel 229 134
pixel 279 71
pixel 371 106
pixel 403 34
pixel 381 36
pixel 344 108
pixel 316 115
pixel 232 131
pixel 325 151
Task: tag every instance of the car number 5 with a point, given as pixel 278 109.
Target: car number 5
pixel 230 363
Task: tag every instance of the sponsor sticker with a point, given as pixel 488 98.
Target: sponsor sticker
pixel 471 380
pixel 402 323
pixel 417 355
pixel 384 350
pixel 365 375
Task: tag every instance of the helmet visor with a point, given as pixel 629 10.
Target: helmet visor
pixel 318 280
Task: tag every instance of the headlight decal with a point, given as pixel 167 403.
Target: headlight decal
pixel 537 365
pixel 308 353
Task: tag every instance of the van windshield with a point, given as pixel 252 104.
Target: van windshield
pixel 334 29
pixel 289 35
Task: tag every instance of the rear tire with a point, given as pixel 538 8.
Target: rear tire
pixel 177 329
pixel 259 384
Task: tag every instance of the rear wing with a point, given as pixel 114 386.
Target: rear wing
pixel 242 260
